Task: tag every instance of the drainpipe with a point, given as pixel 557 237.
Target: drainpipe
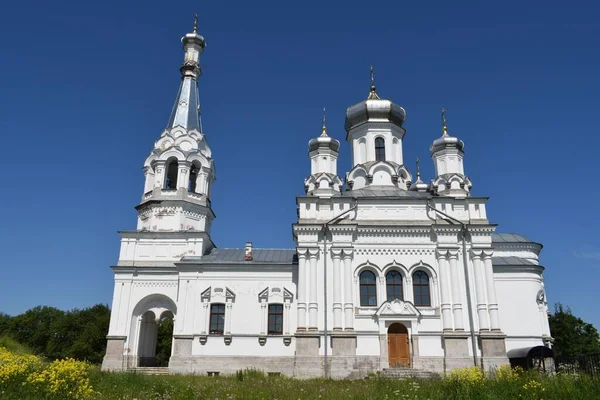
pixel 464 231
pixel 325 331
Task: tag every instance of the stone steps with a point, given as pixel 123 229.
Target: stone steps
pixel 150 370
pixel 407 373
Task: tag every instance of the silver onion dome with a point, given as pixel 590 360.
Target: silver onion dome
pixel 324 141
pixel 374 109
pixel 446 140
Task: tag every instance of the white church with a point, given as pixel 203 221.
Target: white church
pixel 388 271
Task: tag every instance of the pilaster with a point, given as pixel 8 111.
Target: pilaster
pixel 480 289
pixel 336 254
pixel 491 290
pixel 456 299
pixel 348 292
pixel 446 307
pixel 313 305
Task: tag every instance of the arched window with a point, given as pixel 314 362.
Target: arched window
pixel 393 284
pixel 421 289
pixel 217 319
pixel 275 319
pixel 368 289
pixel 193 178
pixel 379 149
pixel 171 175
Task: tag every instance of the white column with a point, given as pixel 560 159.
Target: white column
pixel 228 317
pixel 286 318
pixel 201 183
pixel 205 307
pixel 263 313
pixel 491 290
pixel 313 305
pixel 159 176
pixel 336 254
pixel 301 289
pixel 149 179
pixel 456 300
pixel 480 290
pixel 348 293
pixel 183 175
pixel 445 289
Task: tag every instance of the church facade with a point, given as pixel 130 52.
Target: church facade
pixel 388 271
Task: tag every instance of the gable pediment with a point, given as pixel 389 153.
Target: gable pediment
pixel 398 308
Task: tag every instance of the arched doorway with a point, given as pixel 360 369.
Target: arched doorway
pixel 398 349
pixel 152 328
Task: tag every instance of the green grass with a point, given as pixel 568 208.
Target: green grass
pixel 255 385
pixel 13 346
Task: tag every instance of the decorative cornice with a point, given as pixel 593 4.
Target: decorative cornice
pixel 394 252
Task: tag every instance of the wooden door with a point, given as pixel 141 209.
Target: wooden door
pixel 398 350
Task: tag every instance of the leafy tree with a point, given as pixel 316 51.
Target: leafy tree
pixel 164 340
pixel 572 335
pixel 4 322
pixel 33 327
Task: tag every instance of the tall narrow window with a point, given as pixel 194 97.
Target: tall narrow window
pixel 217 319
pixel 379 149
pixel 171 176
pixel 193 178
pixel 368 289
pixel 275 319
pixel 421 289
pixel 393 284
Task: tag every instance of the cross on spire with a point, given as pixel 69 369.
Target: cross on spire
pixel 444 127
pixel 373 94
pixel 195 23
pixel 418 170
pixel 324 128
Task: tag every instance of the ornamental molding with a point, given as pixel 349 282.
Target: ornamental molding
pixel 395 252
pixel 398 308
pixel 154 284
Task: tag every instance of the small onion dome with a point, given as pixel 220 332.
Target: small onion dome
pixel 193 38
pixel 419 185
pixel 374 109
pixel 446 141
pixel 324 142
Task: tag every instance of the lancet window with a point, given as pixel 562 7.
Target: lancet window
pixel 368 289
pixel 421 289
pixel 393 283
pixel 379 149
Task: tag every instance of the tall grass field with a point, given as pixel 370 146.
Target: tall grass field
pixel 25 376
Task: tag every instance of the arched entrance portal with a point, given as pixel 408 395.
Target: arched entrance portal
pixel 398 349
pixel 156 338
pixel 153 330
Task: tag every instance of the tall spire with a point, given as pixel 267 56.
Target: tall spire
pixel 373 93
pixel 324 128
pixel 418 171
pixel 186 110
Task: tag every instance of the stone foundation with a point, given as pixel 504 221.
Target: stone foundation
pixel 493 350
pixel 114 360
pixel 456 350
pixel 343 357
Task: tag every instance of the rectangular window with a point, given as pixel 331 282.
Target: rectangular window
pixel 217 319
pixel 368 296
pixel 422 296
pixel 275 319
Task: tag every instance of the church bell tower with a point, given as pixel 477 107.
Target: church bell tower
pixel 179 172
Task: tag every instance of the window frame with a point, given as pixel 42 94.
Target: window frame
pixel 212 331
pixel 379 149
pixel 394 285
pixel 277 316
pixel 421 285
pixel 367 286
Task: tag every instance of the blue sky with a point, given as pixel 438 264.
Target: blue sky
pixel 87 88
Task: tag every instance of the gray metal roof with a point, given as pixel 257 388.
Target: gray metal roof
pixel 186 112
pixel 384 191
pixel 511 261
pixel 235 256
pixel 509 238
